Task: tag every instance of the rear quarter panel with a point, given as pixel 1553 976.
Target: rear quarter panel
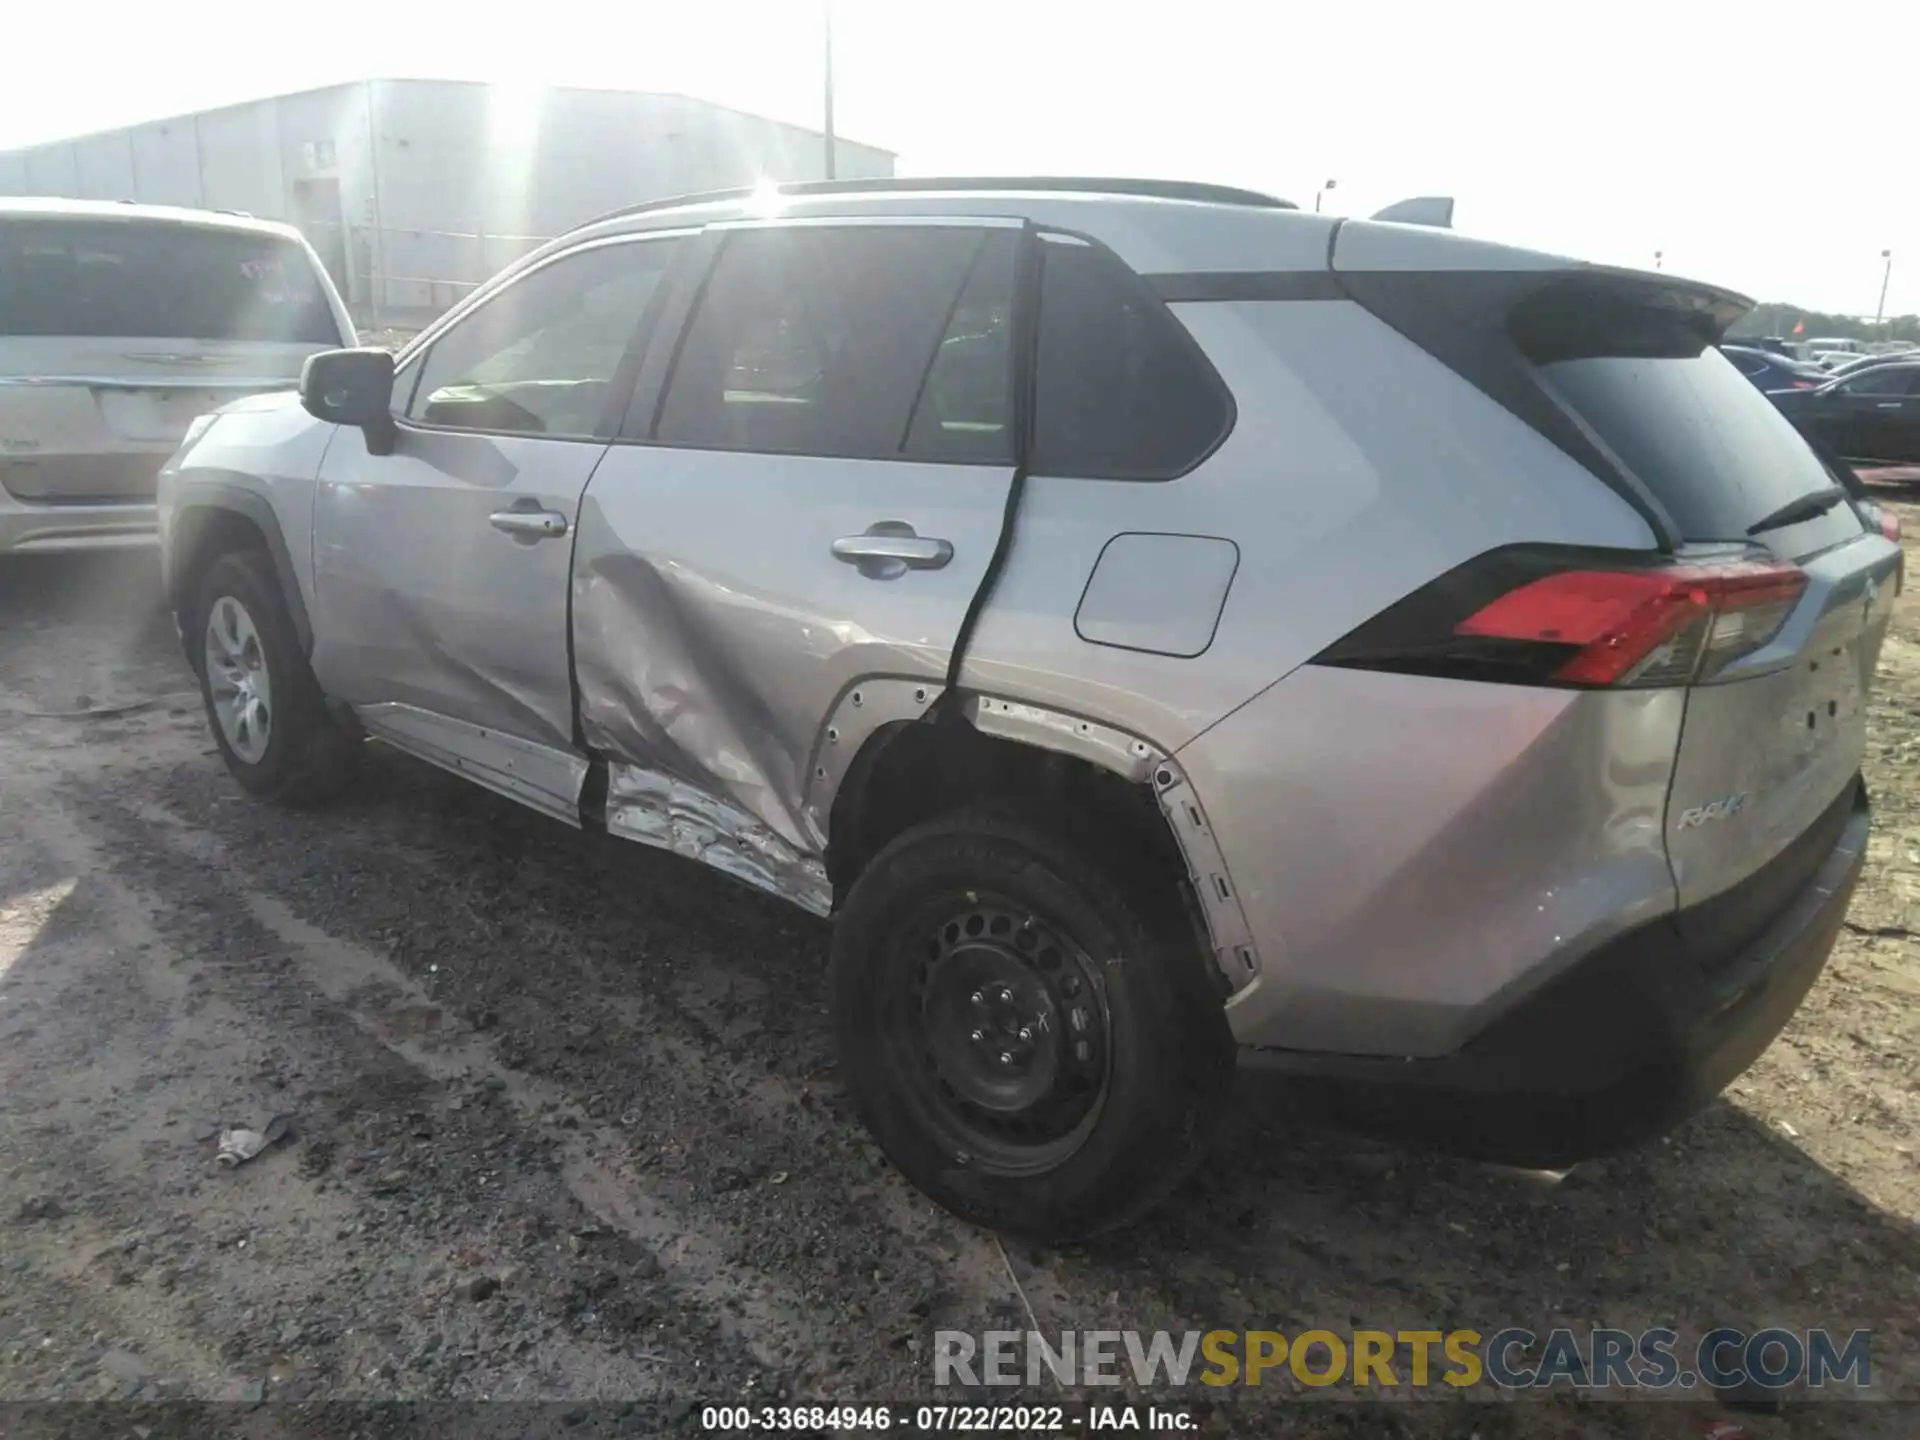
pixel 1357 469
pixel 1405 850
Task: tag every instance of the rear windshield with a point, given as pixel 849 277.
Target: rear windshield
pixel 1713 449
pixel 123 278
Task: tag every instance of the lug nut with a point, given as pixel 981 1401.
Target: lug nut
pixel 978 1036
pixel 1006 1057
pixel 1026 1032
pixel 978 998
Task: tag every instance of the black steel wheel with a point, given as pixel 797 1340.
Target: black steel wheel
pixel 1002 1029
pixel 1023 1045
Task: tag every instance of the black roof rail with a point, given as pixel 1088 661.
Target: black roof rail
pixel 911 185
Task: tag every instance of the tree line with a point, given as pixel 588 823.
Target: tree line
pixel 1773 318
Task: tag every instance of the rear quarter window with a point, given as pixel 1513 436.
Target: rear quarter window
pixel 1714 451
pixel 135 280
pixel 1122 391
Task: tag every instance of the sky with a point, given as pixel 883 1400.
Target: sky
pixel 1763 147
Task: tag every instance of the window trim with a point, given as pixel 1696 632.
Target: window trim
pixel 619 385
pixel 642 422
pixel 1144 288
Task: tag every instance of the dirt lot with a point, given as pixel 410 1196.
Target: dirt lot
pixel 565 1126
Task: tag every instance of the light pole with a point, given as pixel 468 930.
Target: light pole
pixel 827 17
pixel 1659 259
pixel 1885 275
pixel 1320 192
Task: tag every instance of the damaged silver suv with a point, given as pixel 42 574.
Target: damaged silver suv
pixel 1162 628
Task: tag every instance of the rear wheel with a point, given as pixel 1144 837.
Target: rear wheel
pixel 266 711
pixel 1018 1039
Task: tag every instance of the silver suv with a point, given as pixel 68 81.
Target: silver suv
pixel 1161 627
pixel 119 324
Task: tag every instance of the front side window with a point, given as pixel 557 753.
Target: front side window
pixel 159 280
pixel 862 341
pixel 539 358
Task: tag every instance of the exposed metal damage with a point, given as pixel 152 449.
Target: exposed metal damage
pixel 669 814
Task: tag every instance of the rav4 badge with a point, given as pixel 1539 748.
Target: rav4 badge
pixel 1714 810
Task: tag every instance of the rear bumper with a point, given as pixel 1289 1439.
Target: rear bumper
pixel 25 526
pixel 1622 1046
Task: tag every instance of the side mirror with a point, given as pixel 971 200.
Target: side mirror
pixel 349 387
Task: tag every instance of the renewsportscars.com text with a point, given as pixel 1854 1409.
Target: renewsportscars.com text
pixel 1511 1358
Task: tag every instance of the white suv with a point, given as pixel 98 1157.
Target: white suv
pixel 118 325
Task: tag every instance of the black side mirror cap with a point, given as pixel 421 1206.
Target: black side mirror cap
pixel 349 387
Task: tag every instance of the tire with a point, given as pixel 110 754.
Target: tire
pixel 295 751
pixel 947 920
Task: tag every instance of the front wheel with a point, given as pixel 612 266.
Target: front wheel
pixel 1015 1035
pixel 268 716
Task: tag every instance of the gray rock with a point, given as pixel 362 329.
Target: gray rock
pixel 126 1369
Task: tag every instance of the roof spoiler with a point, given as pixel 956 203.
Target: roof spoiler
pixel 1435 210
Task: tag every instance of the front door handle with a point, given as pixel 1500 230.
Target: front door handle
pixel 1891 405
pixel 890 548
pixel 530 524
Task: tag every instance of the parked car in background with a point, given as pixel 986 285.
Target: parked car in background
pixel 1871 413
pixel 1852 363
pixel 1002 569
pixel 118 325
pixel 1769 371
pixel 1840 345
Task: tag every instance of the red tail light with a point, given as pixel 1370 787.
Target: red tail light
pixel 1545 617
pixel 1889 524
pixel 1645 627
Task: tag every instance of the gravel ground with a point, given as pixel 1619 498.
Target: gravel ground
pixel 564 1127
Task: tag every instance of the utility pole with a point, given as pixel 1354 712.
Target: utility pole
pixel 1880 310
pixel 1659 259
pixel 1320 192
pixel 827 7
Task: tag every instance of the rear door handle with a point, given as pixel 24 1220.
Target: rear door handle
pixel 530 524
pixel 1891 405
pixel 890 548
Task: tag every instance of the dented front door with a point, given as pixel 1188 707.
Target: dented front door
pixel 810 502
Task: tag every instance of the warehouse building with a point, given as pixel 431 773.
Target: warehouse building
pixel 414 191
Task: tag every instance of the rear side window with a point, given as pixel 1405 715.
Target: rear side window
pixel 143 280
pixel 870 342
pixel 1122 392
pixel 965 410
pixel 1713 449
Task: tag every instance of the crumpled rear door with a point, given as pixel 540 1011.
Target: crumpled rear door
pixel 824 488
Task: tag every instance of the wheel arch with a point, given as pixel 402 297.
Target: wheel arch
pixel 212 516
pixel 1123 796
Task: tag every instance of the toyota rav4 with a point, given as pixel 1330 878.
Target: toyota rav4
pixel 1161 627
